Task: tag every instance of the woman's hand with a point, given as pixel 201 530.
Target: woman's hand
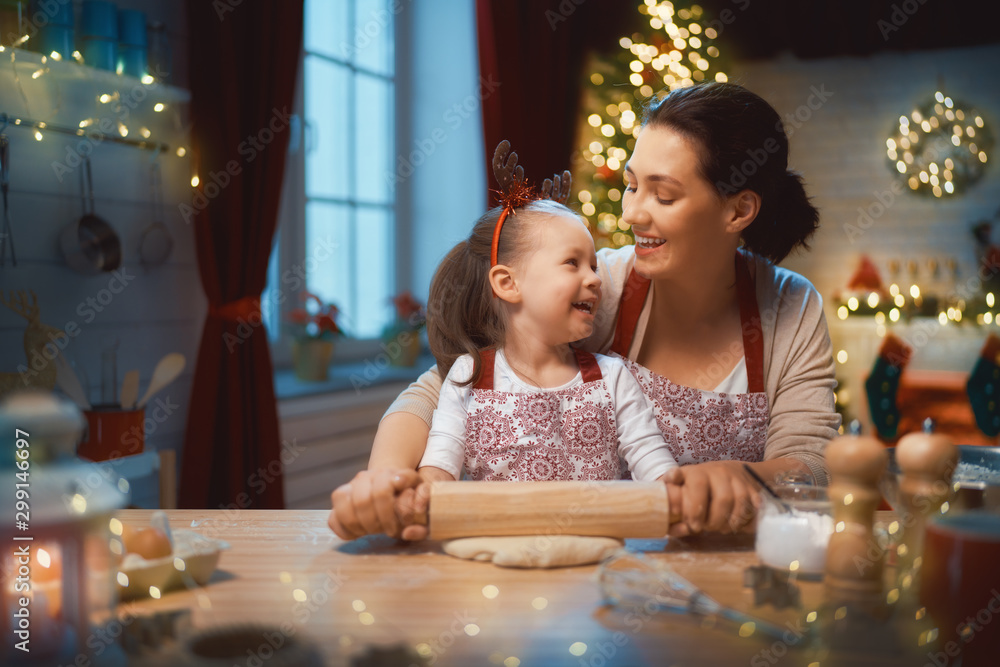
pixel 366 504
pixel 715 496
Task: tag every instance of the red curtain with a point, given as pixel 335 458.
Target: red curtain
pixel 243 63
pixel 532 54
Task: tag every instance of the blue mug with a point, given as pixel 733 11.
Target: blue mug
pixel 132 27
pixel 99 19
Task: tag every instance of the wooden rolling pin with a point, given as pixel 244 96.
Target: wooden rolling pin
pixel 608 509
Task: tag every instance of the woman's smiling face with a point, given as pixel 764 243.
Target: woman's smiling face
pixel 677 216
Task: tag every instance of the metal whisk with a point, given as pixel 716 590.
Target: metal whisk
pixel 631 579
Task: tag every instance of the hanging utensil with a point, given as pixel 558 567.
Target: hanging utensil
pixel 166 371
pixel 633 580
pixel 155 241
pixel 90 245
pixel 6 234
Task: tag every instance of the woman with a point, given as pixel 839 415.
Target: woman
pixel 733 351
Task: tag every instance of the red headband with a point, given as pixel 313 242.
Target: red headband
pixel 515 192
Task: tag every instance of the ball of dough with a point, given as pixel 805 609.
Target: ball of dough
pixel 534 551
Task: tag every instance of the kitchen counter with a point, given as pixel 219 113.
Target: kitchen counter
pixel 288 570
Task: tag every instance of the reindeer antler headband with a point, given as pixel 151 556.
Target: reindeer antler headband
pixel 515 192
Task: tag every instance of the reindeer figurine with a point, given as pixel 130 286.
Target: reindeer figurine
pixel 40 371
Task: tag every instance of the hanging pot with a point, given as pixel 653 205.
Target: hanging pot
pixel 90 245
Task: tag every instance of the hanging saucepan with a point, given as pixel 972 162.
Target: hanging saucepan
pixel 155 242
pixel 90 245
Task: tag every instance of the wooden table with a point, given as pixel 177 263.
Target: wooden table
pixel 287 568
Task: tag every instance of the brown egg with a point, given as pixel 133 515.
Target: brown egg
pixel 149 543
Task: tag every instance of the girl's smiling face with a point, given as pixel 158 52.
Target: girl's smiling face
pixel 558 282
pixel 678 218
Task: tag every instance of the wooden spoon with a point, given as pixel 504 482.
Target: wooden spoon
pixel 166 371
pixel 130 389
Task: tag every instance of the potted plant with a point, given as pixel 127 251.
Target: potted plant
pixel 314 327
pixel 401 339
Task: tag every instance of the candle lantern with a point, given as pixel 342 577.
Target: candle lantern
pixel 58 589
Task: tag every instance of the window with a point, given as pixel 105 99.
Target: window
pixel 338 178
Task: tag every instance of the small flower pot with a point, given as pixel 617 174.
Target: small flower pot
pixel 402 347
pixel 311 359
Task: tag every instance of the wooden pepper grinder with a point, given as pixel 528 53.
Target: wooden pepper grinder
pixel 926 462
pixel 854 558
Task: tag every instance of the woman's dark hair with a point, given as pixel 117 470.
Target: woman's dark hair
pixel 743 146
pixel 463 316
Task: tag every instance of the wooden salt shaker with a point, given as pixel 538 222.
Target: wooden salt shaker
pixel 926 463
pixel 854 558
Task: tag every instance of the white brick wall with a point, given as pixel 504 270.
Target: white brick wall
pixel 840 151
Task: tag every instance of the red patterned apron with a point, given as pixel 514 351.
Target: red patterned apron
pixel 702 425
pixel 562 434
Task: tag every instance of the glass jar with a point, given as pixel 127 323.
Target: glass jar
pixel 793 538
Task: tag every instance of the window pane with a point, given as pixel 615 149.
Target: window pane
pixel 270 308
pixel 329 265
pixel 325 29
pixel 327 104
pixel 373 36
pixel 374 114
pixel 374 248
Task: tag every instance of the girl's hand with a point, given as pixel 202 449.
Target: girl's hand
pixel 716 496
pixel 366 504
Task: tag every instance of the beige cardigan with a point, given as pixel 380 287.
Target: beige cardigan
pixel 798 357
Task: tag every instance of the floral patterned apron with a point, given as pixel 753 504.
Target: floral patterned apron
pixel 702 425
pixel 562 434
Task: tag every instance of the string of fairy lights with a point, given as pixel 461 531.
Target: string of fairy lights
pixel 119 103
pixel 676 50
pixel 941 148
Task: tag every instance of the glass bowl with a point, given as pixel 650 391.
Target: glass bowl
pixel 795 539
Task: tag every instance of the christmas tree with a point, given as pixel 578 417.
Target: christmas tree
pixel 674 45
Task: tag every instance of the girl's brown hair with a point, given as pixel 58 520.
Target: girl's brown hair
pixel 463 316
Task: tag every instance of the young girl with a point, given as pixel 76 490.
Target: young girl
pixel 518 402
